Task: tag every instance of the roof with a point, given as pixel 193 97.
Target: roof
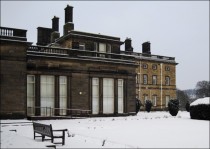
pixel 94 36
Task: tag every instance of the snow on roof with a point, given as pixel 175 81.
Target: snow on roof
pixel 200 101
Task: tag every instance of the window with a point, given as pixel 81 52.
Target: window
pixel 145 66
pixel 154 100
pixel 108 95
pixel 167 100
pixel 144 79
pixel 47 91
pixel 167 68
pixel 82 46
pixel 109 50
pixel 75 45
pixel 102 49
pixel 63 94
pixel 30 94
pixel 137 78
pixel 154 80
pixel 154 66
pixel 167 80
pixel 120 96
pixel 95 95
pixel 95 46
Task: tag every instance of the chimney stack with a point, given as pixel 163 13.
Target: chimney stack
pixel 68 14
pixel 55 24
pixel 128 45
pixel 146 47
pixel 69 25
pixel 43 36
pixel 55 29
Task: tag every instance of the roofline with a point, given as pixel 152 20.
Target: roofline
pixel 88 36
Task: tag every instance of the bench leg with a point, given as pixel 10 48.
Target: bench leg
pixel 52 139
pixel 43 138
pixel 63 139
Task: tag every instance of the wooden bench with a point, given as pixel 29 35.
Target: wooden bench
pixel 46 130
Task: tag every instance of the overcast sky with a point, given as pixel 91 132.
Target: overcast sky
pixel 177 29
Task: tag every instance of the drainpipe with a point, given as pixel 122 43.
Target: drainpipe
pixel 140 81
pixel 161 85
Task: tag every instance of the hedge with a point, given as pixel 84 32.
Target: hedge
pixel 200 111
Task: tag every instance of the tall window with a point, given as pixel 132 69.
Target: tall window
pixel 95 96
pixel 167 100
pixel 108 95
pixel 63 94
pixel 167 80
pixel 47 95
pixel 120 96
pixel 154 80
pixel 154 100
pixel 144 79
pixel 30 94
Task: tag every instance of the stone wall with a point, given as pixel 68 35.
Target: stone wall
pixel 13 79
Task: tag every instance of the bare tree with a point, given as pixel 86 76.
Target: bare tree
pixel 183 99
pixel 202 89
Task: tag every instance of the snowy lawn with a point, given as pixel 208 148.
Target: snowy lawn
pixel 146 130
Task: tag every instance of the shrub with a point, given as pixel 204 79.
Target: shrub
pixel 173 107
pixel 200 109
pixel 148 105
pixel 138 105
pixel 187 107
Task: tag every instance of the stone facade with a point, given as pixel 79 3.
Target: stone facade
pixel 156 78
pixel 13 74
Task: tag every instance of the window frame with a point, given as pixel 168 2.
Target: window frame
pixel 154 79
pixel 167 68
pixel 167 100
pixel 167 80
pixel 154 98
pixel 82 46
pixel 145 66
pixel 154 66
pixel 145 80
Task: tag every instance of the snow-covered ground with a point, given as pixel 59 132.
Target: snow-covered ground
pixel 146 130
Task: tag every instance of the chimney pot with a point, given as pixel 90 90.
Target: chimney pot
pixel 128 45
pixel 68 14
pixel 55 24
pixel 69 25
pixel 146 47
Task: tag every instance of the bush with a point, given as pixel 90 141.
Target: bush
pixel 138 105
pixel 173 107
pixel 148 105
pixel 187 107
pixel 201 111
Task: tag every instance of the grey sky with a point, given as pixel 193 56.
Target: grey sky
pixel 177 29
